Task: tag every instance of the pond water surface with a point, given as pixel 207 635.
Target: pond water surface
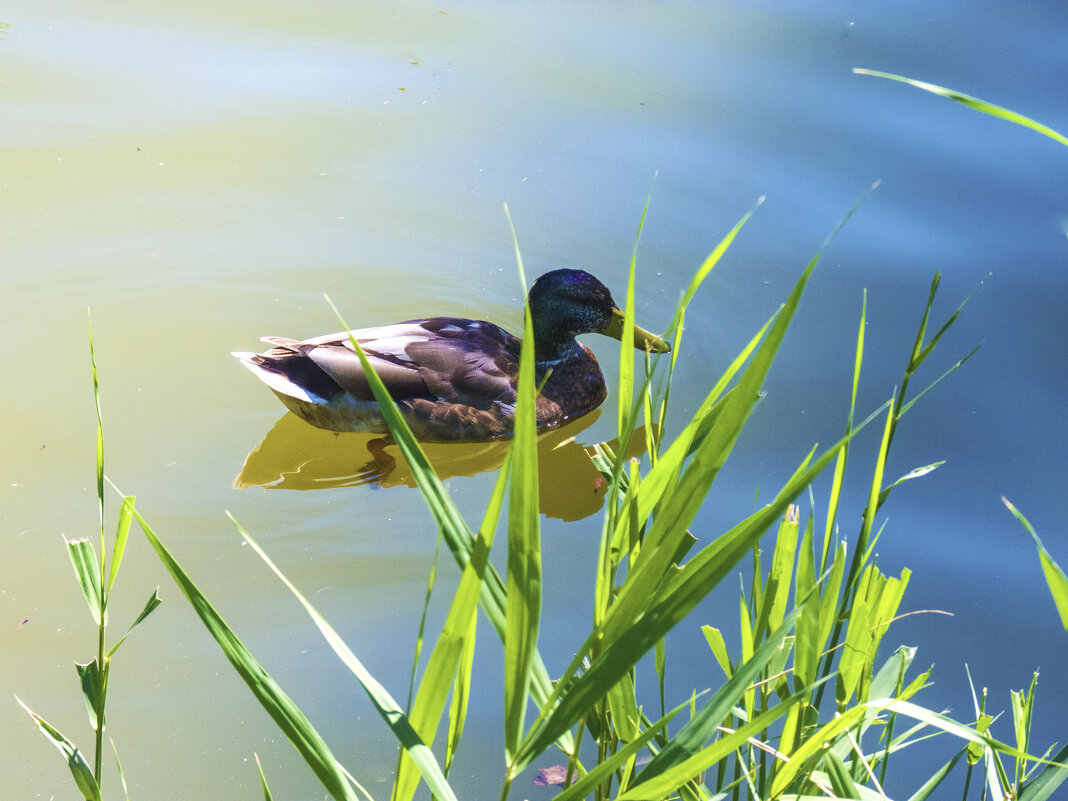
pixel 199 176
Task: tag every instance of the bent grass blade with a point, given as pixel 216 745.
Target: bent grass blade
pixel 79 768
pixel 971 102
pixel 285 713
pixel 1055 578
pixel 387 707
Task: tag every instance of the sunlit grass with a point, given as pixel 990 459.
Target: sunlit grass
pixel 814 617
pixel 975 103
pixel 1055 578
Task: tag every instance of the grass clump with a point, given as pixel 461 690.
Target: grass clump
pixel 813 618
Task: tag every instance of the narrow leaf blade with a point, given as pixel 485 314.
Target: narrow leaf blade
pixel 385 704
pixel 87 569
pixel 1055 578
pixel 149 607
pixel 972 102
pixel 79 768
pixel 122 532
pixel 523 602
pixel 285 713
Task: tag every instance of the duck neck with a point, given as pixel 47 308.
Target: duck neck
pixel 552 346
pixel 547 361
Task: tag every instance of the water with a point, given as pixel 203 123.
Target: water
pixel 198 177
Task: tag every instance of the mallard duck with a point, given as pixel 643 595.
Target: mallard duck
pixel 453 379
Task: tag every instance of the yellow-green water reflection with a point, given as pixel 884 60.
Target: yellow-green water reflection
pixel 294 455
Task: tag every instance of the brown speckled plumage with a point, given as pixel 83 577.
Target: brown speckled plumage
pixel 453 379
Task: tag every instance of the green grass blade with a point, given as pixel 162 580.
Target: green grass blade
pixel 99 442
pixel 691 738
pixel 121 772
pixel 949 726
pixel 870 511
pixel 976 736
pixel 79 768
pixel 661 416
pixel 263 779
pixel 94 688
pixel 663 484
pixel 932 784
pixel 122 532
pixel 842 784
pixel 87 569
pixel 450 650
pixel 1055 578
pixel 972 102
pixel 840 464
pixel 715 640
pixel 418 650
pixel 384 703
pixel 1022 708
pixel 706 267
pixel 782 565
pixel 732 545
pixel 660 663
pixel 952 369
pixel 857 642
pixel 1042 785
pixel 523 602
pixel 890 677
pixel 746 653
pixel 807 646
pixel 285 713
pixel 811 750
pixel 587 784
pixel 623 707
pixel 916 472
pixel 149 607
pixel 441 506
pixel 829 601
pixel 665 473
pixel 874 493
pixel 461 695
pixel 625 399
pixel 674 779
pixel 926 351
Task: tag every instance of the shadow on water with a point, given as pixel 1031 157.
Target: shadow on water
pixel 296 456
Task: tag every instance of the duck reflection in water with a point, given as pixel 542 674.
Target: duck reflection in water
pixel 296 456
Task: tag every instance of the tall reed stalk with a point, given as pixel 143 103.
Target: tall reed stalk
pixel 96 575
